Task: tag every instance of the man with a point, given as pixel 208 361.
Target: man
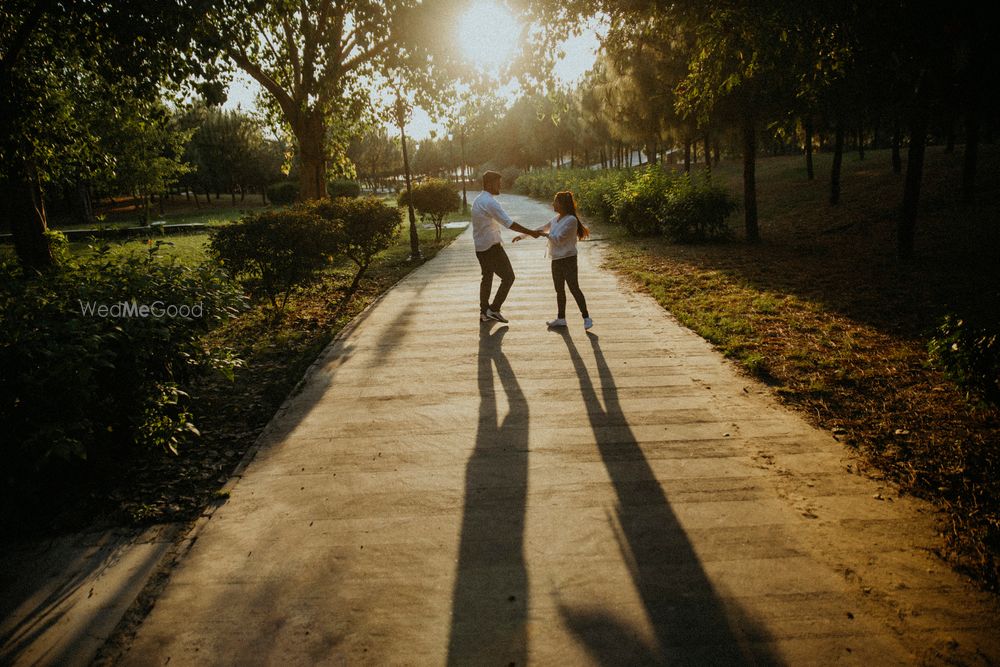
pixel 488 217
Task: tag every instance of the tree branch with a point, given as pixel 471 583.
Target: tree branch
pixel 20 39
pixel 293 51
pixel 282 96
pixel 365 56
pixel 308 49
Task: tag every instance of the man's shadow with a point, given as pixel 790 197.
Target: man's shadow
pixel 490 599
pixel 690 623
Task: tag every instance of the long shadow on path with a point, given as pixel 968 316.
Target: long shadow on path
pixel 690 623
pixel 490 599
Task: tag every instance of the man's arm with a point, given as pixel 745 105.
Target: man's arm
pixel 533 233
pixel 500 215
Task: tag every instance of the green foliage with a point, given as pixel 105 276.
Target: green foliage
pixel 283 192
pixel 639 205
pixel 646 202
pixel 433 199
pixel 696 211
pixel 361 228
pixel 593 189
pixel 229 151
pixel 276 252
pixel 970 355
pixel 595 195
pixel 78 384
pixel 342 187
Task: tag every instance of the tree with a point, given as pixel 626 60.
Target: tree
pixel 317 61
pixel 145 146
pixel 376 156
pixel 433 199
pixel 362 228
pixel 56 57
pixel 230 152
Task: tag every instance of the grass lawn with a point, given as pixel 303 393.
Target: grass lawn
pixel 823 311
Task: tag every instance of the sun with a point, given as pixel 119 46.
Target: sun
pixel 488 35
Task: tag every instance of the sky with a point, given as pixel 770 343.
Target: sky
pixel 580 52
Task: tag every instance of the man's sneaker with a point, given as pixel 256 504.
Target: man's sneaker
pixel 484 318
pixel 495 315
pixel 558 322
pixel 587 323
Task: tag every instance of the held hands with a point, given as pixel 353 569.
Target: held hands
pixel 533 234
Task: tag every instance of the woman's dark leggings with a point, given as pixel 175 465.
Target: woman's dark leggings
pixel 564 273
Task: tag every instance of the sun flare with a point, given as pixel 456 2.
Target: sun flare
pixel 488 34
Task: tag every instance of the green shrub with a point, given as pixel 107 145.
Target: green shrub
pixel 969 353
pixel 78 382
pixel 433 199
pixel 596 194
pixel 594 189
pixel 343 188
pixel 361 229
pixel 639 206
pixel 695 212
pixel 646 202
pixel 277 251
pixel 283 192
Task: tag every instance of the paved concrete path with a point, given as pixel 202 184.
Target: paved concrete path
pixel 445 492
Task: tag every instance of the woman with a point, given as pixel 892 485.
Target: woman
pixel 563 231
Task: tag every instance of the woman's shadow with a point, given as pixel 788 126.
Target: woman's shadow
pixel 690 623
pixel 490 598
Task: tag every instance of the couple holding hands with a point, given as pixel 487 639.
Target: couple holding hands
pixel 562 232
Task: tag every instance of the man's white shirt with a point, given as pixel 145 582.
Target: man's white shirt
pixel 487 218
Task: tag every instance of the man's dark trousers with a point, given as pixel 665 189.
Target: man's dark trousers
pixel 494 260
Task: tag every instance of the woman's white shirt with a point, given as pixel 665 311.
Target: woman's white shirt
pixel 562 236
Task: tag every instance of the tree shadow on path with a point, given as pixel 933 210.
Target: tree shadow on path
pixel 490 599
pixel 691 625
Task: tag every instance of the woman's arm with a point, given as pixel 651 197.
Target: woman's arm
pixel 542 231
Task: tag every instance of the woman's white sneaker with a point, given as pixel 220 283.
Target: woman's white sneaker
pixel 558 322
pixel 587 323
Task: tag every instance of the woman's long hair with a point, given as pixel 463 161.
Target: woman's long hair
pixel 567 205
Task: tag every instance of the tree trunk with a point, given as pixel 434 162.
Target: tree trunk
pixel 838 158
pixel 750 176
pixel 810 172
pixel 25 212
pixel 971 155
pixel 708 151
pixel 973 98
pixel 414 238
pixel 715 156
pixel 914 175
pixel 84 206
pixel 465 200
pixel 949 128
pixel 897 162
pixel 310 134
pixel 861 141
pixel 687 156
